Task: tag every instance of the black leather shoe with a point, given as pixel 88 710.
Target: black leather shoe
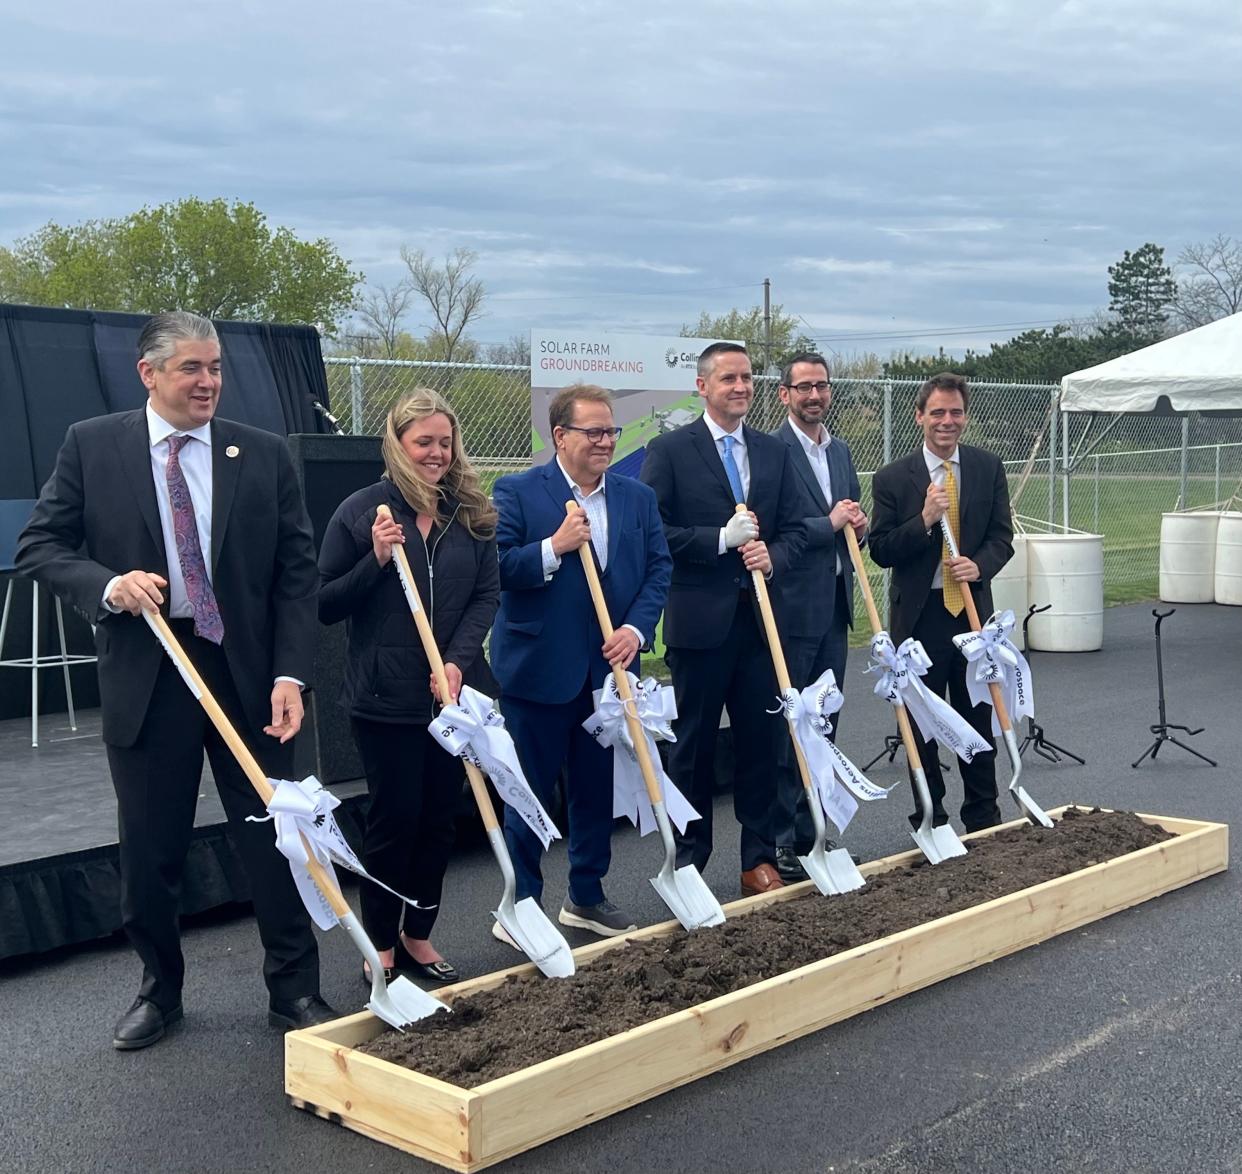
pixel 142 1025
pixel 830 845
pixel 787 865
pixel 307 1011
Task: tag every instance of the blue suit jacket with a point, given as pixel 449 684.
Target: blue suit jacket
pixel 806 599
pixel 546 639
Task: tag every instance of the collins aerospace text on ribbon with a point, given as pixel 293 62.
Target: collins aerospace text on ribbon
pixel 558 355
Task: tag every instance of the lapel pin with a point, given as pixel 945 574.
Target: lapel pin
pixel 232 451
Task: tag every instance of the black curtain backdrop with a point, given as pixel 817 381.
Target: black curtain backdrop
pixel 60 366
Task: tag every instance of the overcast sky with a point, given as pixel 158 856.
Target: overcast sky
pixel 896 167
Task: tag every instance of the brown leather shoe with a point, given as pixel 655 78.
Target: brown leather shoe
pixel 763 878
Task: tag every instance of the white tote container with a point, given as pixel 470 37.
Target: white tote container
pixel 1067 571
pixel 1188 556
pixel 1228 576
pixel 1009 589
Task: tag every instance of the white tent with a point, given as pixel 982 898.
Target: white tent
pixel 1198 371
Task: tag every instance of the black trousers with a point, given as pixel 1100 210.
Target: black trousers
pixel 936 629
pixel 807 658
pixel 157 781
pixel 415 788
pixel 737 675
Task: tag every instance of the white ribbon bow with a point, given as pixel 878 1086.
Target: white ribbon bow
pixel 998 661
pixel 809 713
pixel 474 730
pixel 302 815
pixel 655 709
pixel 900 684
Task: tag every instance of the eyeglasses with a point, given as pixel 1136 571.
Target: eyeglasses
pixel 806 388
pixel 594 435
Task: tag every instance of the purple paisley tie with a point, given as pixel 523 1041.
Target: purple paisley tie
pixel 207 622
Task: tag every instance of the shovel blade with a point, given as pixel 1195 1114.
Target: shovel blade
pixel 536 936
pixel 685 892
pixel 401 1003
pixel 938 844
pixel 1030 808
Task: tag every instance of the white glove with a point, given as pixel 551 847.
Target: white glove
pixel 740 530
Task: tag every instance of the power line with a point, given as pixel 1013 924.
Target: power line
pixel 633 293
pixel 945 331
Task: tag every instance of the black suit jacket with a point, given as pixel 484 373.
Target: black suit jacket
pixel 807 594
pixel 97 517
pixel 900 540
pixel 686 472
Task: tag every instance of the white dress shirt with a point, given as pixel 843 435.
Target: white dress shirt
pixel 817 453
pixel 595 506
pixel 935 470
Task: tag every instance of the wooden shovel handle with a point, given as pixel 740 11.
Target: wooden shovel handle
pixel 246 760
pixel 477 786
pixel 860 576
pixel 760 585
pixel 637 734
pixel 972 614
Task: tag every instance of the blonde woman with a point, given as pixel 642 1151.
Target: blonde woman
pixel 448 528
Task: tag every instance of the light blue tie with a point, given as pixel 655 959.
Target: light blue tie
pixel 731 470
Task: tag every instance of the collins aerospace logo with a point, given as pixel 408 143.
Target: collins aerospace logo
pixel 671 356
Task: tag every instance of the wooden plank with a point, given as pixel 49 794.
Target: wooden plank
pixel 467 1130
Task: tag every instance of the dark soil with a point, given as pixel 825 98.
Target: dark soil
pixel 532 1018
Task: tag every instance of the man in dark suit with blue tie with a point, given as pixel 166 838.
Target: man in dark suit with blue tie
pixel 715 645
pixel 815 603
pixel 547 650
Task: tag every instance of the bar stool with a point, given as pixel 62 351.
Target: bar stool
pixel 13 517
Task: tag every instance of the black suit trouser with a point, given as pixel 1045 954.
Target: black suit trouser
pixel 157 781
pixel 736 675
pixel 936 628
pixel 807 657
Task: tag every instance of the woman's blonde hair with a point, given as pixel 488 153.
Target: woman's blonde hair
pixel 460 479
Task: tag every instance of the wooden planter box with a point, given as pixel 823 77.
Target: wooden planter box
pixel 467 1129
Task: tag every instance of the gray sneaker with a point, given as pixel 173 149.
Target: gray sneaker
pixel 604 919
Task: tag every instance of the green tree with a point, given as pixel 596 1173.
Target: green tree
pixel 747 326
pixel 217 259
pixel 1140 291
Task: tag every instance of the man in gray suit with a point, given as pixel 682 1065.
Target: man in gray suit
pixel 815 602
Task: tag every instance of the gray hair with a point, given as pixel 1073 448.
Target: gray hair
pixel 160 336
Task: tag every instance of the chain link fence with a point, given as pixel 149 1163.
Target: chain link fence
pixel 1125 471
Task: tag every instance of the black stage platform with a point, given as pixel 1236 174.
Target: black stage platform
pixel 58 852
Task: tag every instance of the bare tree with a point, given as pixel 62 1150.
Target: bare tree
pixel 1212 287
pixel 381 311
pixel 515 352
pixel 455 297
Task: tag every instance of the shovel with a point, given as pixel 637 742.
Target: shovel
pixel 683 890
pixel 833 872
pixel 398 1003
pixel 525 923
pixel 1029 807
pixel 938 844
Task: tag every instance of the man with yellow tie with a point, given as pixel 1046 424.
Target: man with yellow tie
pixel 967 485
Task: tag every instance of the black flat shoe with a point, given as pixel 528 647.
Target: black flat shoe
pixel 390 972
pixel 142 1025
pixel 441 971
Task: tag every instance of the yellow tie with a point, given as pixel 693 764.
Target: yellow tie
pixel 953 600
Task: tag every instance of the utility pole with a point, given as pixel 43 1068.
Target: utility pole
pixel 767 324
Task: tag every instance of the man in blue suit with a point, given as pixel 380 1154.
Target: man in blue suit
pixel 815 604
pixel 547 650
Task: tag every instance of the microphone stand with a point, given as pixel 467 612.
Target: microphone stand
pixel 1035 733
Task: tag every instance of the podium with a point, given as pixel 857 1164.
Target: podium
pixel 329 469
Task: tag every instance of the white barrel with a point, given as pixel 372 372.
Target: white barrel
pixel 1067 571
pixel 1009 588
pixel 1228 574
pixel 1188 557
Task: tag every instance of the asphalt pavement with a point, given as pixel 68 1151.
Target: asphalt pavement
pixel 1111 1048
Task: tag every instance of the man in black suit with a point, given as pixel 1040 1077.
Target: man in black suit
pixel 713 634
pixel 816 598
pixel 910 497
pixel 168 508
